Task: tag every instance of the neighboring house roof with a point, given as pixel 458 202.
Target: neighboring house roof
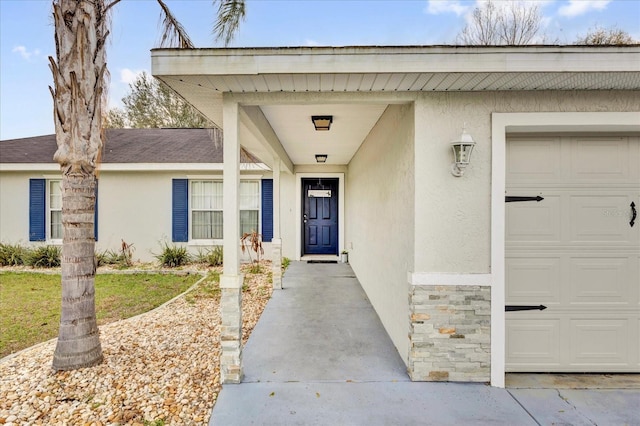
pixel 129 146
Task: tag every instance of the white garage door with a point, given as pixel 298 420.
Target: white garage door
pixel 574 252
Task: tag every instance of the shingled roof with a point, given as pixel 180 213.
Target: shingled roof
pixel 130 146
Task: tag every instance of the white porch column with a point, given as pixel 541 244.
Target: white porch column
pixel 276 243
pixel 231 279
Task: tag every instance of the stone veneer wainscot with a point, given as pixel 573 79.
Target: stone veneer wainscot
pixel 450 333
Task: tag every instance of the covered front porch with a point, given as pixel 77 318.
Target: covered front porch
pixel 427 246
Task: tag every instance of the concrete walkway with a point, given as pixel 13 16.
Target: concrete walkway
pixel 320 356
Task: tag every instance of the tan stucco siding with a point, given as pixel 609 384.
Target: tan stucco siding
pixel 14 215
pixel 136 208
pixel 453 215
pixel 380 218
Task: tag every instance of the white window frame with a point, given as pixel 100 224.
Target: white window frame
pixel 258 208
pixel 50 210
pixel 219 241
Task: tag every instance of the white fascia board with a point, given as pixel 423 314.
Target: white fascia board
pixel 29 167
pixel 393 60
pixel 135 167
pixel 158 167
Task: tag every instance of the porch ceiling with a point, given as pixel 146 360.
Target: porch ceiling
pixel 201 76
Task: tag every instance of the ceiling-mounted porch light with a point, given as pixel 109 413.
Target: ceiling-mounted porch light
pixel 322 122
pixel 462 149
pixel 321 158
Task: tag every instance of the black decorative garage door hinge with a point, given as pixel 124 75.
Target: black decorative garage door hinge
pixel 514 199
pixel 512 308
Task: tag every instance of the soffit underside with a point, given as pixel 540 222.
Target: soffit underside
pixel 409 82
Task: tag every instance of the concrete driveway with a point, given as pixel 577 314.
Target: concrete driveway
pixel 320 356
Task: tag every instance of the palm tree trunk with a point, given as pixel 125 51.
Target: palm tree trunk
pixel 79 79
pixel 78 339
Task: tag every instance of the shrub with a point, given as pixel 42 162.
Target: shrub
pixel 211 257
pixel 173 256
pixel 44 257
pixel 12 254
pixel 123 258
pixel 252 241
pixel 108 257
pixel 126 253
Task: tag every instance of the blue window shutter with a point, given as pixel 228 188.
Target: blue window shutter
pixel 267 210
pixel 37 210
pixel 95 215
pixel 180 211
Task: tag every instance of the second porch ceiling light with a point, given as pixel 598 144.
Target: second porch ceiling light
pixel 321 158
pixel 322 122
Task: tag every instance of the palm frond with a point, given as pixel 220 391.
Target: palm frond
pixel 230 14
pixel 173 33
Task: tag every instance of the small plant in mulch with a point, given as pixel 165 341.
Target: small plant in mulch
pixel 173 256
pixel 252 241
pixel 285 263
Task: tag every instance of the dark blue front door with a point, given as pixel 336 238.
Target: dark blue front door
pixel 320 216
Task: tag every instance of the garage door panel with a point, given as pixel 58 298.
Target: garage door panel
pixel 532 221
pixel 533 342
pixel 574 252
pixel 600 160
pixel 596 218
pixel 538 159
pixel 600 281
pixel 599 342
pixel 533 280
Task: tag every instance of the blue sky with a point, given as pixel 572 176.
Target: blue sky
pixel 26 37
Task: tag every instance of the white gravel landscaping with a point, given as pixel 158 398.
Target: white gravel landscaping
pixel 160 368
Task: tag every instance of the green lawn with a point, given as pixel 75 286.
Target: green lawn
pixel 30 302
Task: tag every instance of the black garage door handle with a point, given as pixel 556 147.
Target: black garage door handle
pixel 634 213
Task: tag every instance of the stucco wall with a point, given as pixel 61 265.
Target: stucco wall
pixel 380 218
pixel 453 214
pixel 136 208
pixel 14 212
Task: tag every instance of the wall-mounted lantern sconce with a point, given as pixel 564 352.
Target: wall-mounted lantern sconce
pixel 462 148
pixel 322 122
pixel 321 158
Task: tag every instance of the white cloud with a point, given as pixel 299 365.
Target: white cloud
pixel 129 76
pixel 580 7
pixel 25 53
pixel 311 43
pixel 436 7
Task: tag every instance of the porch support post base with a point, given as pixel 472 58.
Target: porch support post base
pixel 276 263
pixel 231 328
